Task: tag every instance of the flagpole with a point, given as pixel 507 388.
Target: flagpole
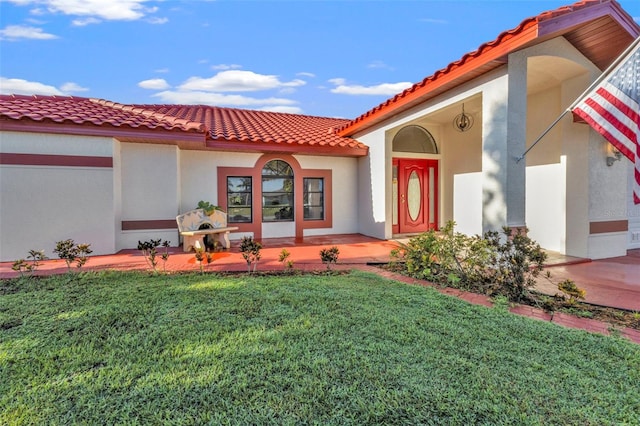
pixel 602 76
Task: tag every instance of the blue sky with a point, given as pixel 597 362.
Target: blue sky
pixel 326 58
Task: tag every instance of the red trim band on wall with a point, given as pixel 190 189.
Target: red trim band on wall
pixel 609 226
pixel 140 225
pixel 55 160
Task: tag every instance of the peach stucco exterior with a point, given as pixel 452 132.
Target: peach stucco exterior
pixel 145 184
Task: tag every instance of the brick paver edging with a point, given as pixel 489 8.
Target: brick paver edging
pixel 559 318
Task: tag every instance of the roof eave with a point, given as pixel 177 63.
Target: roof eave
pixel 303 149
pixel 490 55
pixel 128 134
pixel 558 25
pixel 425 90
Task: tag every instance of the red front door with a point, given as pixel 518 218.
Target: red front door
pixel 417 198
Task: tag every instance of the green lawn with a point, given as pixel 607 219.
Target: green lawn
pixel 356 349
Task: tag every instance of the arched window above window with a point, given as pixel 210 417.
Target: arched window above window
pixel 277 191
pixel 415 139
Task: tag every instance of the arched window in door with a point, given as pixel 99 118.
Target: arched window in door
pixel 277 192
pixel 415 139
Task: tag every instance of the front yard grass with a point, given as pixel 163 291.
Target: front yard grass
pixel 133 348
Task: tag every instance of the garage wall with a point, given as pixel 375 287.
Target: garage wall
pixel 52 188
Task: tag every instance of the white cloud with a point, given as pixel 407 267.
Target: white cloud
pixel 218 99
pixel 111 10
pixel 306 74
pixel 15 32
pixel 286 109
pixel 72 87
pixel 238 81
pixel 154 84
pixel 157 21
pixel 81 22
pixel 17 86
pixel 379 64
pixel 386 89
pixel 222 67
pixel 162 70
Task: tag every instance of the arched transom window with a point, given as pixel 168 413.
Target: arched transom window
pixel 277 192
pixel 414 138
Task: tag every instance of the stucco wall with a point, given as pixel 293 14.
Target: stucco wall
pixel 198 174
pixel 546 172
pixel 199 181
pixel 150 190
pixel 373 172
pixel 633 210
pixel 461 178
pixel 346 208
pixel 40 205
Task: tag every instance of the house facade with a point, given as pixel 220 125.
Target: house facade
pixel 448 148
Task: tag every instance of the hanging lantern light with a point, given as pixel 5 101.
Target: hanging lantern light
pixel 463 121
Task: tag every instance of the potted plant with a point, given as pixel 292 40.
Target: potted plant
pixel 207 207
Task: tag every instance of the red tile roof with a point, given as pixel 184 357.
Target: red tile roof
pixel 224 128
pixel 601 41
pixel 263 127
pixel 73 110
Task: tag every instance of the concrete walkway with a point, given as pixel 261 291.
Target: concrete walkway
pixel 610 282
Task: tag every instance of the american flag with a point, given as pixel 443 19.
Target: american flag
pixel 612 108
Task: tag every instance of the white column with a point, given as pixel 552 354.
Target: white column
pixel 504 109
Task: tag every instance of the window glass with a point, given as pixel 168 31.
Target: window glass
pixel 239 199
pixel 313 198
pixel 414 139
pixel 277 192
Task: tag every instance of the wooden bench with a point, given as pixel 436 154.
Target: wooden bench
pixel 190 224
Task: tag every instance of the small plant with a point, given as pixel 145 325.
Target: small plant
pixel 501 302
pixel 250 250
pixel 570 288
pixel 149 250
pixel 284 259
pixel 201 254
pixel 329 256
pixel 207 207
pixel 22 266
pixel 165 255
pixel 70 253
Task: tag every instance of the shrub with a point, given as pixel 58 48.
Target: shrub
pixel 504 263
pixel 201 254
pixel 287 265
pixel 250 250
pixel 569 288
pixel 149 250
pixel 70 252
pixel 22 266
pixel 516 262
pixel 447 257
pixel 329 256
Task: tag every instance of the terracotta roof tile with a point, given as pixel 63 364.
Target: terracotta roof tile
pixel 230 124
pixel 75 110
pixel 222 125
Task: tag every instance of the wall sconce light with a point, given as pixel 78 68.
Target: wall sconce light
pixel 613 155
pixel 463 121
